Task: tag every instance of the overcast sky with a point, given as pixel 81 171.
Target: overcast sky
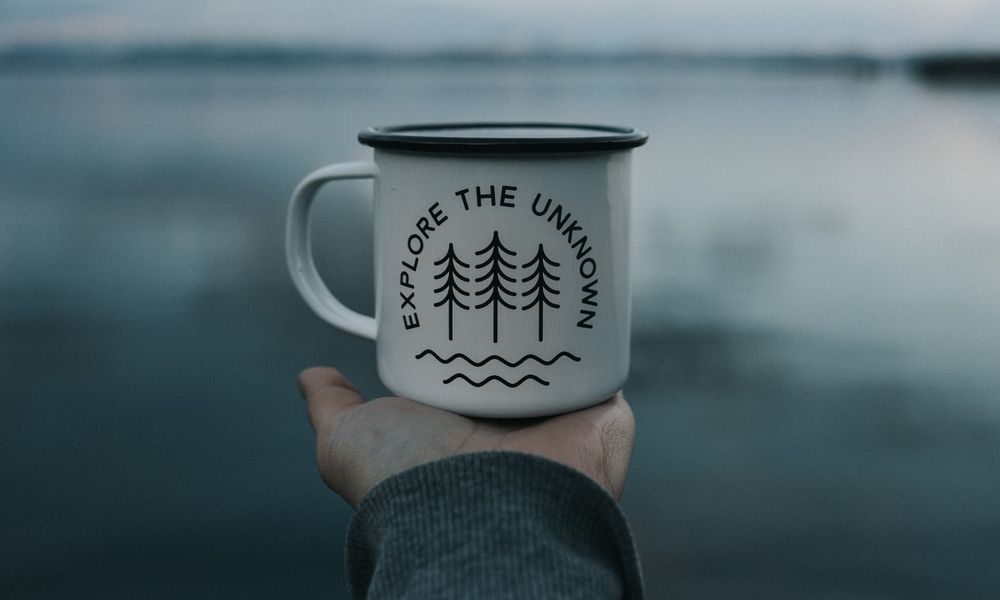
pixel 886 26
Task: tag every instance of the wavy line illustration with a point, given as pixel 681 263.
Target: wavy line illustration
pixel 496 378
pixel 498 358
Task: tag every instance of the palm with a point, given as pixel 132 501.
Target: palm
pixel 361 443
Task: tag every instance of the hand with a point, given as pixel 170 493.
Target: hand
pixel 359 444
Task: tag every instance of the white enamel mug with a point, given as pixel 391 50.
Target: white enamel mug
pixel 501 263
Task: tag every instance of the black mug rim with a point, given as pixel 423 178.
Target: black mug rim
pixel 604 138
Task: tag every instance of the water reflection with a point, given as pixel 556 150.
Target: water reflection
pixel 816 332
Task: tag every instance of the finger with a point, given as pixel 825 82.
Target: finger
pixel 614 421
pixel 623 413
pixel 614 409
pixel 618 435
pixel 328 393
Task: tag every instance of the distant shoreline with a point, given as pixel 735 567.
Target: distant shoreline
pixel 263 55
pixel 938 68
pixel 943 69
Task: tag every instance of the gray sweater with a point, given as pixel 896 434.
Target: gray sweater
pixel 491 525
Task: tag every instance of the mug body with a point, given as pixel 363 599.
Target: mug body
pixel 502 279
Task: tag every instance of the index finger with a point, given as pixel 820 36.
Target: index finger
pixel 328 393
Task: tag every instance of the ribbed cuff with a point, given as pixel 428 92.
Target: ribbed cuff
pixel 491 525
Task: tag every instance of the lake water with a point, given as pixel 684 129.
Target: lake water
pixel 816 359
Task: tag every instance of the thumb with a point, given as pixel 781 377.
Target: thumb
pixel 328 394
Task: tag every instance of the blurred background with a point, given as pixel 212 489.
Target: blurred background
pixel 816 358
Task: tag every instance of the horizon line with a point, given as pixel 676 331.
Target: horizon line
pixel 261 54
pixel 247 48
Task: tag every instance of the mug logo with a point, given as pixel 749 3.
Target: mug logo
pixel 504 282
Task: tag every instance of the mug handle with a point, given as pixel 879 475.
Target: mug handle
pixel 298 249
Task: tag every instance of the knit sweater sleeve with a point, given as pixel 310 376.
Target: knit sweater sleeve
pixel 491 525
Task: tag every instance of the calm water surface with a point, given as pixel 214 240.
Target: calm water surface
pixel 816 348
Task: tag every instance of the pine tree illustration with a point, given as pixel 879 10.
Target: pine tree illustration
pixel 495 277
pixel 450 287
pixel 540 289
